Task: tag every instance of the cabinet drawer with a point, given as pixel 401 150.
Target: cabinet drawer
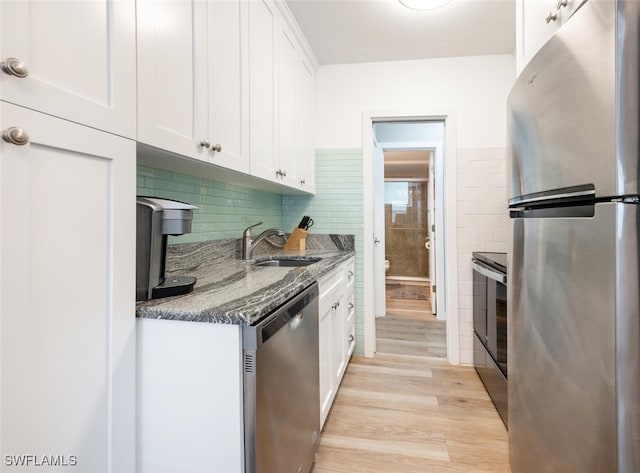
pixel 330 285
pixel 351 338
pixel 351 309
pixel 349 274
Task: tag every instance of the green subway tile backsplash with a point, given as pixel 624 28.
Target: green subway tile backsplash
pixel 224 210
pixel 337 207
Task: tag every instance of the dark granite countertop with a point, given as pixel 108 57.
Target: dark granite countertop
pixel 233 291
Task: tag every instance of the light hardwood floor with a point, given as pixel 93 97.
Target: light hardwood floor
pixel 409 413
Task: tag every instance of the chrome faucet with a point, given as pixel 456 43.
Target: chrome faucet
pixel 248 243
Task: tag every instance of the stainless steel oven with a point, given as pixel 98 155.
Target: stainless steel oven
pixel 490 325
pixel 281 392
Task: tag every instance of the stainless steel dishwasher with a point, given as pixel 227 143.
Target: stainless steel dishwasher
pixel 281 392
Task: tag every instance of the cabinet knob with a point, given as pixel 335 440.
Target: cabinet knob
pixel 351 306
pixel 15 136
pixel 561 4
pixel 351 338
pixel 284 173
pixel 217 147
pixel 205 144
pixel 350 273
pixel 14 67
pixel 551 17
pixel 303 182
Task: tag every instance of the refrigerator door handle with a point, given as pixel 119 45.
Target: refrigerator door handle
pixel 496 276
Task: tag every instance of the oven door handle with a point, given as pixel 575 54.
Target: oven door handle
pixel 501 278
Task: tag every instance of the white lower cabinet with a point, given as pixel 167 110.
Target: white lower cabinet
pixel 67 285
pixel 189 397
pixel 337 336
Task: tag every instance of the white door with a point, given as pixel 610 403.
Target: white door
pixel 67 305
pixel 80 57
pixel 431 227
pixel 228 81
pixel 380 305
pixel 172 76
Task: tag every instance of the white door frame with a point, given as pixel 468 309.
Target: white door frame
pixel 450 222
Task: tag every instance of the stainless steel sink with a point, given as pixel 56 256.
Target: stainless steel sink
pixel 286 262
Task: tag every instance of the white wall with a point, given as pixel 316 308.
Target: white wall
pixel 476 88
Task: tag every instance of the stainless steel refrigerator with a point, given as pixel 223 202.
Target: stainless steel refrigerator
pixel 574 320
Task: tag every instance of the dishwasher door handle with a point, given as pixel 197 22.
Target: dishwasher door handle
pixel 295 321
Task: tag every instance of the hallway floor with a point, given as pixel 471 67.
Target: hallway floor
pixel 408 411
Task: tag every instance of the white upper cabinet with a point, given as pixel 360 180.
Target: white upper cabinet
pixel 172 76
pixel 537 21
pixel 229 83
pixel 228 62
pixel 287 108
pixel 281 101
pixel 262 88
pixel 78 57
pixel 193 81
pixel 305 85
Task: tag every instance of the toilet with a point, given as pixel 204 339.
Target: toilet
pixel 386 265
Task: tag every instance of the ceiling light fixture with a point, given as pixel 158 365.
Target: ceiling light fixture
pixel 424 4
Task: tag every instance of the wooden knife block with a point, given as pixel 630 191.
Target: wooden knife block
pixel 297 240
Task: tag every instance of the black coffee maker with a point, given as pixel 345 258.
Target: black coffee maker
pixel 156 220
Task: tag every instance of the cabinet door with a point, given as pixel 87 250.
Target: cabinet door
pixel 172 75
pixel 287 108
pixel 537 30
pixel 67 311
pixel 305 126
pixel 339 338
pixel 532 28
pixel 80 58
pixel 327 385
pixel 262 89
pixel 228 63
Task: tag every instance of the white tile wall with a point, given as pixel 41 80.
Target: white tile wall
pixel 483 224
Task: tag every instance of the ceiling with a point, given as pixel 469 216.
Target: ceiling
pixel 353 31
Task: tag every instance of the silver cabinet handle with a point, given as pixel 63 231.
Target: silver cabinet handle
pixel 303 182
pixel 351 338
pixel 205 144
pixel 284 173
pixel 350 274
pixel 15 136
pixel 217 147
pixel 279 173
pixel 351 306
pixel 376 241
pixel 551 17
pixel 562 4
pixel 14 67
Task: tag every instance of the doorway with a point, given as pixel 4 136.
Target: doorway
pixel 407 323
pixel 404 127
